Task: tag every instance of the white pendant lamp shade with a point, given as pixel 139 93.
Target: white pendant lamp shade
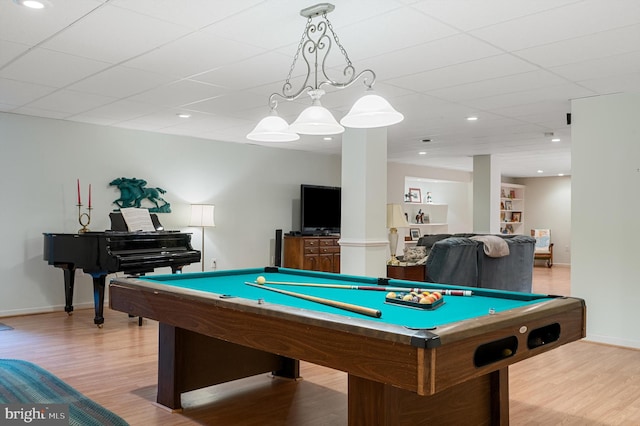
pixel 371 111
pixel 273 128
pixel 316 120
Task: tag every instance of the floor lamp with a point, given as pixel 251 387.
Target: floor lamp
pixel 395 219
pixel 202 216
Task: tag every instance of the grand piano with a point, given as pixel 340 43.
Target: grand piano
pixel 101 253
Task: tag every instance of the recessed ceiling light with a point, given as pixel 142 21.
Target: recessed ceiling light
pixel 422 153
pixel 31 4
pixel 184 115
pixel 560 174
pixel 555 140
pixel 540 171
pixel 425 140
pixel 472 118
pixel 327 138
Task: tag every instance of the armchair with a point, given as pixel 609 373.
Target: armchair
pixel 544 246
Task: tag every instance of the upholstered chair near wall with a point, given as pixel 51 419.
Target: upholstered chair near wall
pixel 544 246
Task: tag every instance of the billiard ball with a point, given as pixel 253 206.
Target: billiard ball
pixel 261 280
pixel 391 295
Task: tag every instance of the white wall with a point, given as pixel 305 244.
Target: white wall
pixel 255 189
pixel 605 266
pixel 547 205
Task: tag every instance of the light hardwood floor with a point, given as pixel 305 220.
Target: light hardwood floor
pixel 581 383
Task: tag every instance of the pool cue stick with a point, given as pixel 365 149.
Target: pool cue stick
pixel 329 302
pixel 444 292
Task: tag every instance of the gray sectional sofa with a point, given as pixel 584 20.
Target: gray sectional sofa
pixel 461 260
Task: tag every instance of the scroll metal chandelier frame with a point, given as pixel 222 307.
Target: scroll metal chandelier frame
pixel 369 111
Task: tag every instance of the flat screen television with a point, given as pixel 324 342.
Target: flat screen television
pixel 320 209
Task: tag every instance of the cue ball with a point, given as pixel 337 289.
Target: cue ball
pixel 261 280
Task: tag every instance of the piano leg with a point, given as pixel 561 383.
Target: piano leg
pixel 98 297
pixel 69 282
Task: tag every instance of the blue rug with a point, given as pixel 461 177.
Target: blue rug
pixel 22 382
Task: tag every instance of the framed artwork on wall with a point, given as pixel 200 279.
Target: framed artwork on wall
pixel 415 233
pixel 415 195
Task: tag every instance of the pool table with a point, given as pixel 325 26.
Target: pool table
pixel 409 366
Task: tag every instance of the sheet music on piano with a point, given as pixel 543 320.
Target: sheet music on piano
pixel 137 219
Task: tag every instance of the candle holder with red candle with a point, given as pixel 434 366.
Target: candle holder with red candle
pixel 84 218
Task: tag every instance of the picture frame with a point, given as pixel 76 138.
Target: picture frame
pixel 516 216
pixel 507 205
pixel 415 193
pixel 414 233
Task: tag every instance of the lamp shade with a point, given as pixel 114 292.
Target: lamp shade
pixel 396 217
pixel 202 215
pixel 316 120
pixel 371 111
pixel 272 128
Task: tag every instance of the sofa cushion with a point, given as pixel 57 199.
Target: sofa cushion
pixel 429 240
pixel 513 272
pixel 453 261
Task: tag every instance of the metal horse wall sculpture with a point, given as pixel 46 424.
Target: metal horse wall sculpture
pixel 134 191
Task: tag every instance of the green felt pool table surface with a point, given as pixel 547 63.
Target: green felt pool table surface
pixel 232 283
pixel 215 328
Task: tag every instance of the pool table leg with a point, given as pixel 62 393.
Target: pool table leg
pixel 188 360
pixel 482 400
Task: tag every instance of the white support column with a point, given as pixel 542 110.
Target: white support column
pixel 486 194
pixel 363 240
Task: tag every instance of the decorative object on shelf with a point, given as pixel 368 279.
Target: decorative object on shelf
pixel 134 191
pixel 512 193
pixel 369 111
pixel 515 217
pixel 415 196
pixel 202 215
pixel 508 205
pixel 395 220
pixel 84 218
pixel 429 199
pixel 415 234
pixel 420 216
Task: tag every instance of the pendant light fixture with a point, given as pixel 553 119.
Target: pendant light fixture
pixel 370 111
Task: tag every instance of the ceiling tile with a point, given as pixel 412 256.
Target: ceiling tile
pixel 10 50
pixel 19 93
pixel 429 56
pixel 468 72
pixel 481 14
pixel 194 54
pixel 46 67
pixel 573 20
pixel 182 92
pixel 71 102
pixel 30 27
pixel 256 71
pixel 122 110
pixel 112 34
pixel 599 45
pixel 199 13
pixel 120 81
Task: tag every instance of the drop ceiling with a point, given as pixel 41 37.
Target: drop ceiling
pixel 514 64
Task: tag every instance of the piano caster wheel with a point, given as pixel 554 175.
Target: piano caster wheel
pixel 100 325
pixel 69 313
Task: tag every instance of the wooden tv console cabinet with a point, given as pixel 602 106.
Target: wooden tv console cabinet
pixel 312 253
